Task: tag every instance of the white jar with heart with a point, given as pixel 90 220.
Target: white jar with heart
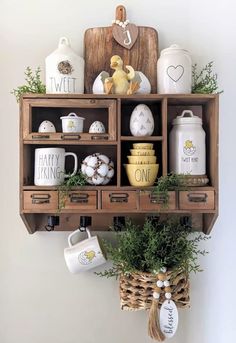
pixel 174 71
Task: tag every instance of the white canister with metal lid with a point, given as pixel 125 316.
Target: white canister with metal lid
pixel 187 145
pixel 174 71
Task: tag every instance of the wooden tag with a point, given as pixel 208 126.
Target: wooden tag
pixel 169 318
pixel 127 36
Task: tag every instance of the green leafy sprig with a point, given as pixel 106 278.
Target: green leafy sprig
pixel 169 182
pixel 33 84
pixel 205 81
pixel 73 181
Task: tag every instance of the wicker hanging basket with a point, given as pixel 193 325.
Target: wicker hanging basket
pixel 136 290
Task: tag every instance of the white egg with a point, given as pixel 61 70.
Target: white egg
pixel 92 161
pixel 103 169
pixel 97 127
pixel 46 126
pixel 106 181
pixel 97 180
pixel 145 85
pixel 141 121
pixel 89 171
pixel 110 173
pixel 104 158
pixel 98 84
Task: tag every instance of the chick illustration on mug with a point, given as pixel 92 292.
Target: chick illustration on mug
pixel 86 257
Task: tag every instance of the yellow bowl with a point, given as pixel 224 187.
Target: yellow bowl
pixel 142 152
pixel 142 159
pixel 142 175
pixel 148 146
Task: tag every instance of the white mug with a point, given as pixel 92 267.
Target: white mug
pixel 84 255
pixel 49 168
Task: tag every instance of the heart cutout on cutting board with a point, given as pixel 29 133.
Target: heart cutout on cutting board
pixel 175 72
pixel 127 36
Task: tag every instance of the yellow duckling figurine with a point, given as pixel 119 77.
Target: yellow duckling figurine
pixel 121 82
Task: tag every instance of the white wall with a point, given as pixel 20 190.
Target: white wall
pixel 39 300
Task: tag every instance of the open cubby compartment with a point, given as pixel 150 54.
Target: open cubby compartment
pixel 81 152
pixel 36 111
pixel 205 108
pixel 127 107
pixel 125 151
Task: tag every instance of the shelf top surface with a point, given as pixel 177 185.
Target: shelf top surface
pixel 126 97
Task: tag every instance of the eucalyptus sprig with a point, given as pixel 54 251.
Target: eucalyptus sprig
pixel 205 81
pixel 168 243
pixel 72 181
pixel 33 84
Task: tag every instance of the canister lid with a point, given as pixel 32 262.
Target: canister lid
pixel 72 116
pixel 174 48
pixel 187 117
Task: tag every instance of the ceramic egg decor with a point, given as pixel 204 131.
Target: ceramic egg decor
pixel 46 126
pixel 141 121
pixel 97 127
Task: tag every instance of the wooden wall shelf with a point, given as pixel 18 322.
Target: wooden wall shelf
pixel 118 197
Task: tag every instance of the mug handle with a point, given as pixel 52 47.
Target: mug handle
pixel 73 233
pixel 75 166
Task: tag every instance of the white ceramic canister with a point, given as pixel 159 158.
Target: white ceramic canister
pixel 64 70
pixel 187 145
pixel 174 71
pixel 72 123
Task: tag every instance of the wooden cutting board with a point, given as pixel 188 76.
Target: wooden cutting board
pixel 100 46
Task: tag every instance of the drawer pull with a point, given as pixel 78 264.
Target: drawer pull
pixel 79 198
pixel 40 136
pixel 118 197
pixel 158 198
pixel 70 137
pixel 197 197
pixel 99 138
pixel 40 198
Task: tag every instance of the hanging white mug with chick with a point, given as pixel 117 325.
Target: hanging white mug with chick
pixel 64 70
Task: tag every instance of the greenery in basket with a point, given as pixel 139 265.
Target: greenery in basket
pixel 205 81
pixel 73 181
pixel 166 243
pixel 33 84
pixel 169 182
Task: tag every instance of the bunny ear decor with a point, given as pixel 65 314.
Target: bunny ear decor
pixel 123 31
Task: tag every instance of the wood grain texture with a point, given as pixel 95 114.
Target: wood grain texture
pixel 100 46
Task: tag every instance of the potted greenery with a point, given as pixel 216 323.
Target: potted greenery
pixel 141 254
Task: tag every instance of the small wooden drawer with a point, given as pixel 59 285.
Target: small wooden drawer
pixel 81 200
pixel 40 200
pixel 150 201
pixel 119 201
pixel 199 200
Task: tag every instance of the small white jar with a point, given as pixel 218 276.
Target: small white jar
pixel 174 71
pixel 187 145
pixel 72 123
pixel 64 70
